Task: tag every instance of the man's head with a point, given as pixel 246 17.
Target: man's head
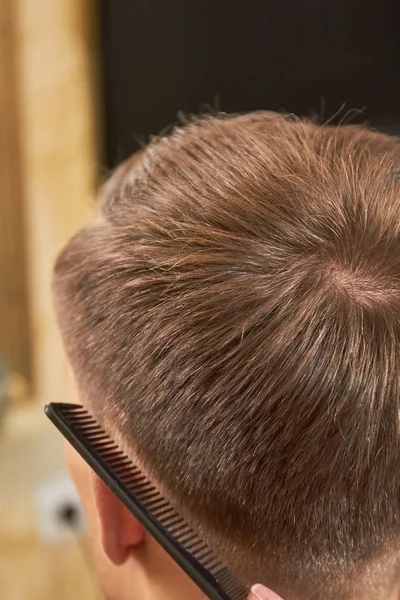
pixel 232 316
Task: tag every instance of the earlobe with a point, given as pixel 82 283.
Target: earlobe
pixel 120 531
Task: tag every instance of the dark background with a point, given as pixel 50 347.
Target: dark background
pixel 300 56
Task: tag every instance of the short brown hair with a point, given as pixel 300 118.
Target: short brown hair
pixel 234 310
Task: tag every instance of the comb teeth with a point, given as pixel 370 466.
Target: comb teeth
pixel 134 489
pixel 164 511
pixel 196 545
pixel 188 536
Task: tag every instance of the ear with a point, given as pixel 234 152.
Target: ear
pixel 119 530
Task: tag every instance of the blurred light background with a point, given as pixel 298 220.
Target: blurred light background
pixel 48 170
pixel 82 84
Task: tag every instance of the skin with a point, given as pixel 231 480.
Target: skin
pixel 129 562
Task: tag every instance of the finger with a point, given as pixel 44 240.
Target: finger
pixel 260 592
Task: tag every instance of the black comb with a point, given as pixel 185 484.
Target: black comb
pixel 143 500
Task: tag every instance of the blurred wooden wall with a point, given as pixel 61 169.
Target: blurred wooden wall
pixel 14 314
pixel 55 74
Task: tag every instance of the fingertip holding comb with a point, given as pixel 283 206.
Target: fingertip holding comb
pixel 144 501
